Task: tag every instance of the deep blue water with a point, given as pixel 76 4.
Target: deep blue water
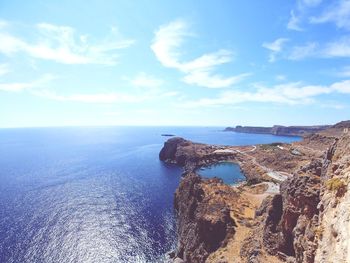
pixel 230 173
pixel 92 194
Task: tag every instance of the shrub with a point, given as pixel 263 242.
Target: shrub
pixel 337 185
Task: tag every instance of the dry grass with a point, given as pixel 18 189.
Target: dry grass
pixel 337 185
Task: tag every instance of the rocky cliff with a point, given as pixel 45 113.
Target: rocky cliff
pixel 202 225
pixel 334 216
pixel 307 220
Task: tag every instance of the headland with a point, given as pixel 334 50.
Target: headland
pixel 293 207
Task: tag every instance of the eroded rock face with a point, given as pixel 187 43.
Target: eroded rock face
pixel 300 195
pixel 309 215
pixel 334 225
pixel 309 221
pixel 292 218
pixel 170 153
pixel 203 224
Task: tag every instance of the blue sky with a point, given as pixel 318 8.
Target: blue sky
pixel 218 63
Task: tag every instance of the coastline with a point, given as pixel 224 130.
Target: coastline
pixel 279 130
pixel 204 205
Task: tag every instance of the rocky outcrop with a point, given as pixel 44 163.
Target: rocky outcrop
pixel 192 155
pixel 172 151
pixel 342 125
pixel 307 221
pixel 334 223
pixel 312 211
pixel 280 130
pixel 203 224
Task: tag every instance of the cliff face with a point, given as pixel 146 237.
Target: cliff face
pixel 313 216
pixel 334 226
pixel 293 219
pixel 307 221
pixel 203 225
pixel 172 151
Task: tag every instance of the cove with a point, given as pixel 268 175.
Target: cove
pixel 229 172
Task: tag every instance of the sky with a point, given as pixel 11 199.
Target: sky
pixel 185 62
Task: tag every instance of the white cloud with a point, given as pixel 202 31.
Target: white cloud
pixel 20 86
pixel 288 93
pixel 294 22
pixel 344 72
pixel 275 47
pixel 166 44
pixel 342 87
pixel 281 77
pixel 146 80
pixel 333 105
pixel 338 48
pixel 4 69
pixel 62 44
pixel 103 98
pixel 300 13
pixel 311 3
pixel 338 14
pixel 300 52
pixel 207 79
pixel 3 24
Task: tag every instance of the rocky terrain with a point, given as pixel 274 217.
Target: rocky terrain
pixel 294 206
pixel 280 130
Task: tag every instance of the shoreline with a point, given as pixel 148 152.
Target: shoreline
pixel 234 211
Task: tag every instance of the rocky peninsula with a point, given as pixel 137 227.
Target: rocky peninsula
pixel 279 129
pixel 293 207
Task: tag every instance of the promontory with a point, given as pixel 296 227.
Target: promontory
pixel 293 207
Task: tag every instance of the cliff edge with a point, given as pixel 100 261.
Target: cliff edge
pixel 293 208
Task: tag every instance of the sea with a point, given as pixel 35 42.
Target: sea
pixel 93 194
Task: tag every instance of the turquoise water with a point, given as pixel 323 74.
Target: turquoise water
pixel 230 173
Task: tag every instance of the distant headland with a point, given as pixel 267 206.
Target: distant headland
pixel 280 130
pixel 167 135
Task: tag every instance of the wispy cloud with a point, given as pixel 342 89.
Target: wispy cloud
pixel 146 80
pixel 275 47
pixel 64 45
pixel 298 15
pixel 341 87
pixel 281 77
pixel 333 105
pixel 288 93
pixel 338 48
pixel 20 86
pixel 294 22
pixel 3 23
pixel 41 88
pixel 343 72
pixel 200 71
pixel 333 49
pixel 311 3
pixel 338 13
pixel 4 69
pixel 103 98
pixel 304 51
pixel 100 98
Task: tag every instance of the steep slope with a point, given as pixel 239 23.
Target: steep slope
pixel 307 221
